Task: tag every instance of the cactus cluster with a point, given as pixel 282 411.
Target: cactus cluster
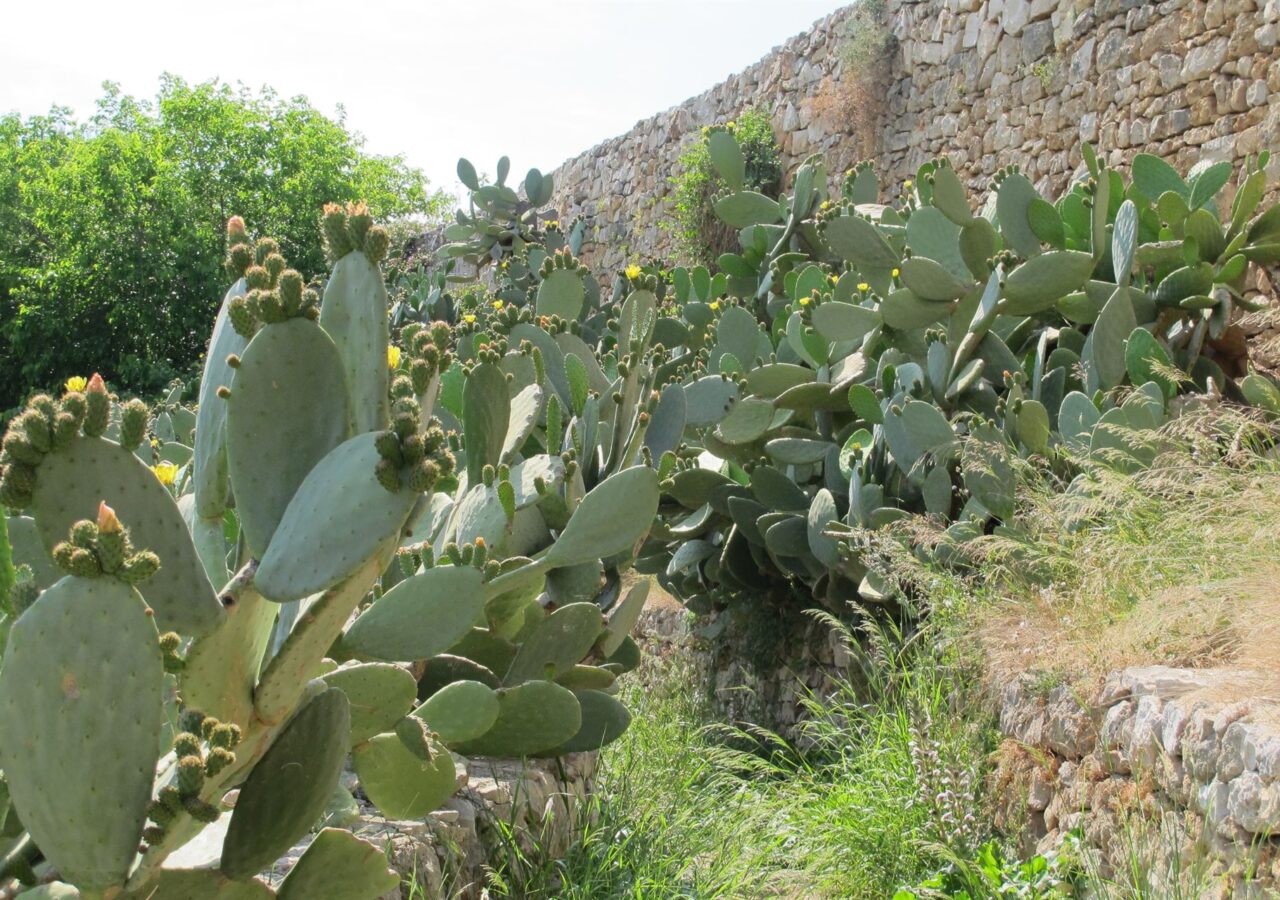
pixel 418 547
pixel 857 362
pixel 408 549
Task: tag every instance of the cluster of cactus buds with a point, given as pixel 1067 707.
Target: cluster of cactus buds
pixel 410 456
pixel 351 228
pixel 104 548
pixel 276 293
pixel 428 351
pixel 202 750
pixel 48 426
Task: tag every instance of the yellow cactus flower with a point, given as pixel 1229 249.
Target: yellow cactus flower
pixel 907 184
pixel 498 304
pixel 468 318
pixel 393 356
pixel 896 272
pixel 633 271
pixel 714 304
pixel 833 279
pixel 167 472
pixel 76 383
pixel 731 124
pixel 826 204
pixel 155 444
pixel 804 301
pixel 863 286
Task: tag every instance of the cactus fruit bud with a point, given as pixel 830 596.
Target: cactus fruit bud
pixel 453 552
pixel 84 534
pixel 190 775
pixel 388 446
pixel 358 223
pixel 186 744
pixel 275 266
pixel 219 758
pixel 153 834
pixel 258 278
pixel 242 317
pixel 408 562
pixel 82 563
pixel 162 812
pixel 388 475
pixel 138 567
pixel 36 428
pixel 19 449
pixel 290 288
pixel 201 811
pixel 192 720
pixel 134 416
pixel 423 476
pixel 24 592
pixel 487 475
pixel 376 244
pixel 225 734
pixel 73 403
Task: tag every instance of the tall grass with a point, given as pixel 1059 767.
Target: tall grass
pixel 887 781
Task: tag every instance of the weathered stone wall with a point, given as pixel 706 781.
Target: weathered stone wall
pixel 987 82
pixel 1168 767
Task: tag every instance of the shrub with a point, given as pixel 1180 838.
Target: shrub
pixel 855 101
pixel 111 228
pixel 700 235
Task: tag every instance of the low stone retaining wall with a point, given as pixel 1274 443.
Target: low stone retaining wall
pixel 740 691
pixel 1162 762
pixel 507 813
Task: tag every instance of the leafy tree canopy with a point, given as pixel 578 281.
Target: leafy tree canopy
pixel 112 229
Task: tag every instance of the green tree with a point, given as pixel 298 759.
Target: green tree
pixel 111 229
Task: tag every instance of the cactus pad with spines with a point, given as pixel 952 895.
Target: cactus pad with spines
pixel 289 786
pixel 288 408
pixel 80 720
pixel 339 866
pixel 71 484
pixel 400 782
pixel 421 616
pixel 338 517
pixel 380 695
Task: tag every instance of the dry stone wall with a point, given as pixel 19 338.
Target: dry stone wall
pixel 988 82
pixel 1176 768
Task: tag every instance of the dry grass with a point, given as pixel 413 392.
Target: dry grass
pixel 1179 565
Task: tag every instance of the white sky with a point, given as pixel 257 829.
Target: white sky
pixel 540 80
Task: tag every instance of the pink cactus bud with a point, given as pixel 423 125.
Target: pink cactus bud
pixel 107 521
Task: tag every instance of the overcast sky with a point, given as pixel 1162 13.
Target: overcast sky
pixel 435 79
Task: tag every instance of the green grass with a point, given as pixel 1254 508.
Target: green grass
pixel 688 810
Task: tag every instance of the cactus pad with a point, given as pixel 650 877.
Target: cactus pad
pixel 460 711
pixel 339 866
pixel 532 718
pixel 209 479
pixel 83 661
pixel 203 884
pixel 287 410
pixel 380 695
pixel 289 787
pixel 604 719
pixel 399 782
pixel 419 617
pixel 89 471
pixel 354 313
pixel 609 519
pixel 338 518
